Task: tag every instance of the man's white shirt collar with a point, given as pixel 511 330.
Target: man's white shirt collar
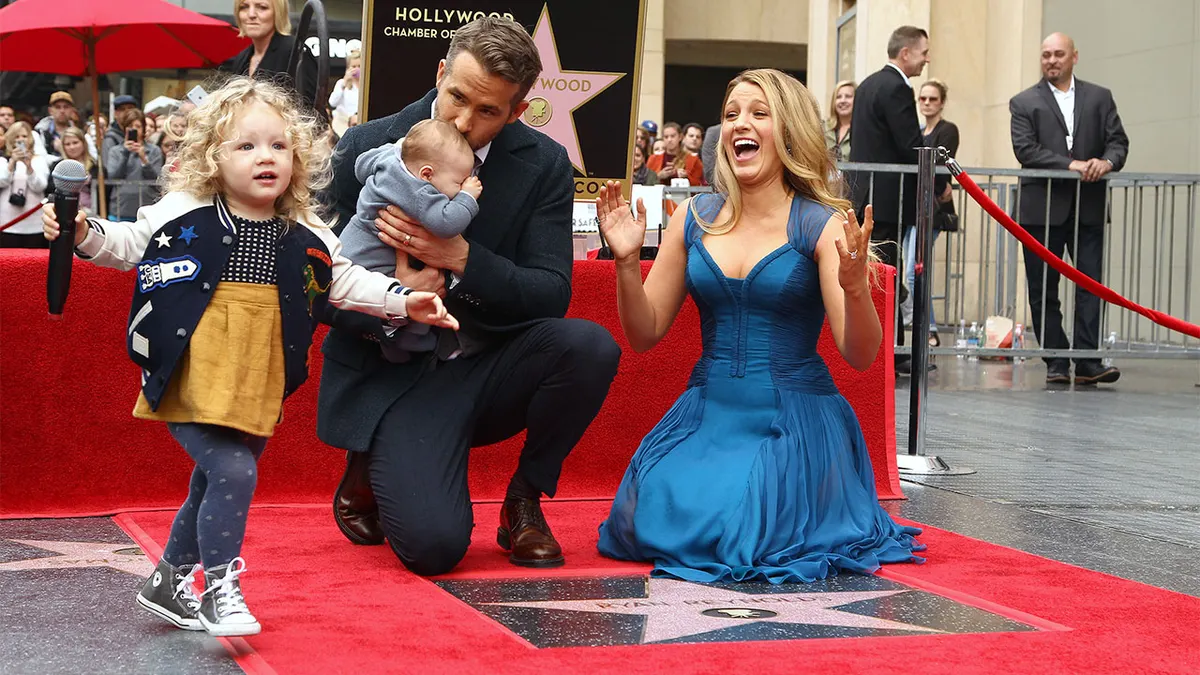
pixel 481 153
pixel 897 68
pixel 1060 92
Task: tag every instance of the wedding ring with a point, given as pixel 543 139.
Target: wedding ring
pixel 854 255
pixel 407 239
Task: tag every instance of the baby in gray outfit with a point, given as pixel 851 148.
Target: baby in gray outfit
pixel 428 175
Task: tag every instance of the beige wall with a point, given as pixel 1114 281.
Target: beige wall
pixel 740 20
pixel 650 99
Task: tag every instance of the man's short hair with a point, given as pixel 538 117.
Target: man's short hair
pixel 431 139
pixel 502 47
pixel 904 36
pixel 672 125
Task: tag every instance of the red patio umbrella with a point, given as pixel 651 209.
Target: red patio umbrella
pixel 97 37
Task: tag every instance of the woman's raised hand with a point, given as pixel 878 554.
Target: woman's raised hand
pixel 624 233
pixel 854 250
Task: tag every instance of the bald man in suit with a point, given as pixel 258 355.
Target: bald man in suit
pixel 1063 122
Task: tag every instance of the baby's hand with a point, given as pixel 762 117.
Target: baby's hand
pixel 425 307
pixel 472 186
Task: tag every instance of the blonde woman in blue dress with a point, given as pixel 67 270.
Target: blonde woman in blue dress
pixel 760 470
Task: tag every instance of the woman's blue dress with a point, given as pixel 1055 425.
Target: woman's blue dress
pixel 760 469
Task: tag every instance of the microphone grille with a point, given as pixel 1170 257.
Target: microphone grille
pixel 69 177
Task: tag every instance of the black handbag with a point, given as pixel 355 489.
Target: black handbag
pixel 945 222
pixel 17 199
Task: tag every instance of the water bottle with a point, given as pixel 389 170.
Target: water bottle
pixel 1110 344
pixel 1018 343
pixel 973 341
pixel 960 338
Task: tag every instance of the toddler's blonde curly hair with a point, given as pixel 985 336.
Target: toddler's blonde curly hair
pixel 212 125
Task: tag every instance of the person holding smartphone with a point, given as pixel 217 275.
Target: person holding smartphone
pixel 135 161
pixel 344 99
pixel 23 178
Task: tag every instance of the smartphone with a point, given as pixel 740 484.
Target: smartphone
pixel 131 134
pixel 197 95
pixel 21 145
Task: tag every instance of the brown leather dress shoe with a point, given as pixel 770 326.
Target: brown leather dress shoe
pixel 523 531
pixel 354 507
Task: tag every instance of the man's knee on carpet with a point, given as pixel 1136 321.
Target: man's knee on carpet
pixel 428 550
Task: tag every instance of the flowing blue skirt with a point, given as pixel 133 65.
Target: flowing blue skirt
pixel 742 481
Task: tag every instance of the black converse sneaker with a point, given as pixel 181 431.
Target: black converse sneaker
pixel 223 611
pixel 168 593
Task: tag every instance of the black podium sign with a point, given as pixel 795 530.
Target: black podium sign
pixel 585 98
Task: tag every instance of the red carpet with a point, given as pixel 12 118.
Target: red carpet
pixel 329 607
pixel 67 389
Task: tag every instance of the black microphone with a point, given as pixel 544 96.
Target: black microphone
pixel 69 178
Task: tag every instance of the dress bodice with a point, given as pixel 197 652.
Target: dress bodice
pixel 767 324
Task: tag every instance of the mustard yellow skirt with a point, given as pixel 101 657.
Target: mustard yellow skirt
pixel 232 372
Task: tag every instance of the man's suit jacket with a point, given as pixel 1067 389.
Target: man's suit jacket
pixel 886 131
pixel 708 153
pixel 518 270
pixel 1039 139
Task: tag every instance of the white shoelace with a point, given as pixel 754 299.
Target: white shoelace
pixel 186 588
pixel 228 594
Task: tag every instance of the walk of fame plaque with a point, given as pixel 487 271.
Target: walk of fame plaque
pixel 606 611
pixel 585 98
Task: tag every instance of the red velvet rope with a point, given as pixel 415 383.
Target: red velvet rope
pixel 1091 285
pixel 23 216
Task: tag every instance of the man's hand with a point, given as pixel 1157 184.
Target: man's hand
pixel 1092 170
pixel 400 232
pixel 1098 168
pixel 428 279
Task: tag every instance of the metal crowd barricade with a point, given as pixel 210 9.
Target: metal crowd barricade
pixel 1149 256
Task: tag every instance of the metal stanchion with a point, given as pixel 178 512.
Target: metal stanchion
pixel 916 462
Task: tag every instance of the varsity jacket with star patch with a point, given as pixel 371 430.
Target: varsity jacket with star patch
pixel 181 245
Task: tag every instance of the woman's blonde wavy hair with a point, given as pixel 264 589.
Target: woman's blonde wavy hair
pixel 832 121
pixel 283 21
pixel 799 142
pixel 808 167
pixel 211 126
pixel 77 134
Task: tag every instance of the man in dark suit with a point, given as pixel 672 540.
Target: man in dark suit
pixel 1065 123
pixel 886 131
pixel 708 153
pixel 515 365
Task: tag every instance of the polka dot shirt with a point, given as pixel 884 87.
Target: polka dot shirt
pixel 253 257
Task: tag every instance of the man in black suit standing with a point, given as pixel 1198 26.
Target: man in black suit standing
pixel 708 153
pixel 886 131
pixel 515 364
pixel 1065 123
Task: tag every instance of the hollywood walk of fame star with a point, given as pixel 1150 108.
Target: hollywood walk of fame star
pixel 676 609
pixel 164 241
pixel 73 554
pixel 566 90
